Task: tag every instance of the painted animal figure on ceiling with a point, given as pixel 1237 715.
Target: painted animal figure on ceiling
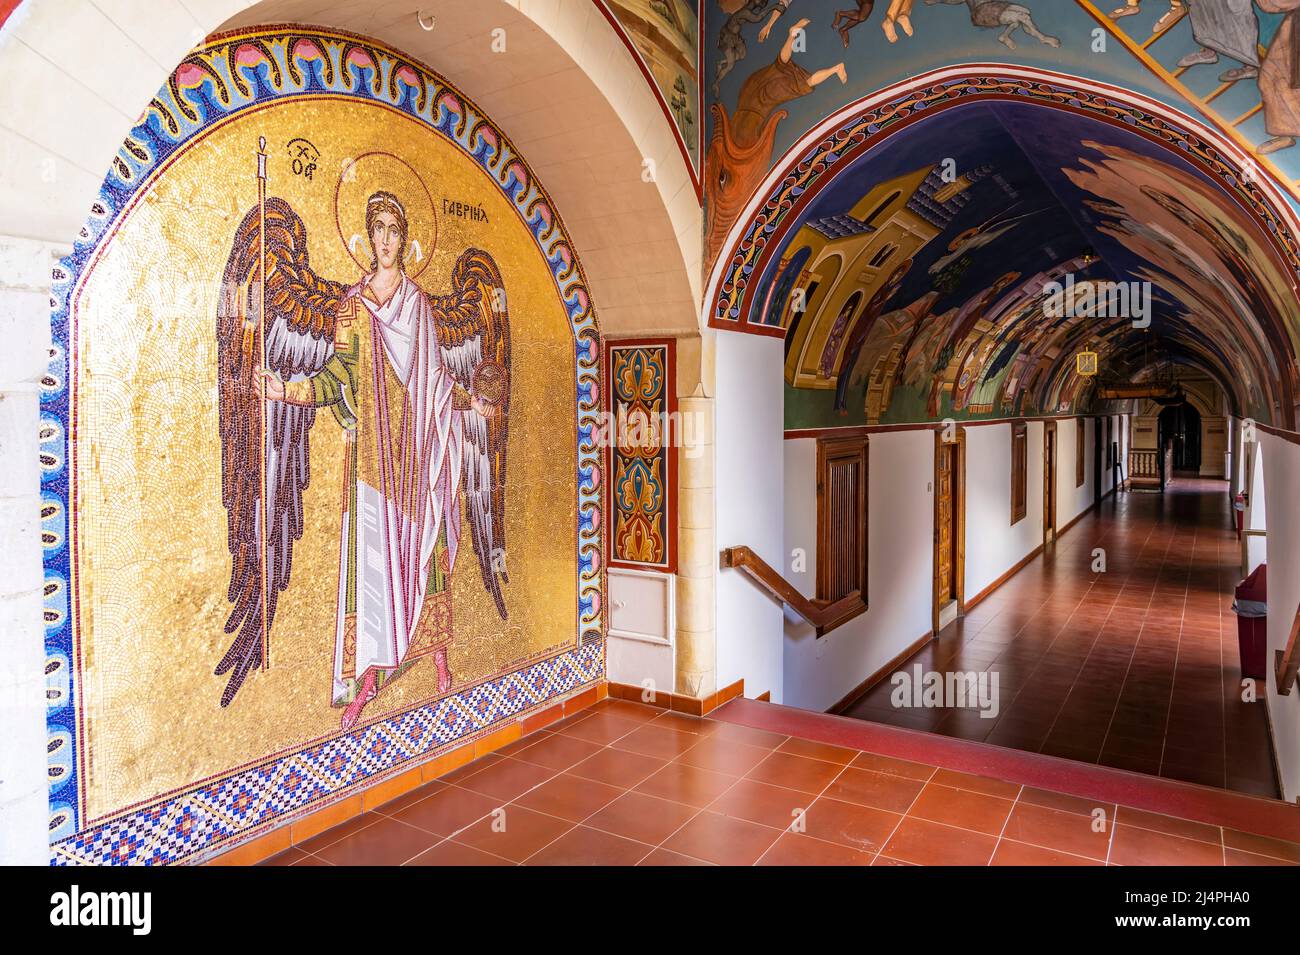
pixel 990 14
pixel 846 20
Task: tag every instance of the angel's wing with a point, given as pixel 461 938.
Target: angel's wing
pixel 474 340
pixel 299 327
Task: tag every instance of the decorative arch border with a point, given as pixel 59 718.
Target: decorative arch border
pixel 232 73
pixel 812 162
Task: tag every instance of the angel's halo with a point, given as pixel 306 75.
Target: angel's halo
pixel 379 171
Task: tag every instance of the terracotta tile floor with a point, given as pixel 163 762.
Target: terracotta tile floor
pixel 626 784
pixel 1135 668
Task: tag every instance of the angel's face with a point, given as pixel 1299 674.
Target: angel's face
pixel 386 239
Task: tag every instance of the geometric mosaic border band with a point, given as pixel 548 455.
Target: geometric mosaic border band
pixel 193 822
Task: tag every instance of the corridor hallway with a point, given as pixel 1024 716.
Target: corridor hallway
pixel 621 783
pixel 1135 668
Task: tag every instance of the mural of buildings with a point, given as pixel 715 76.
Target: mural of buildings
pixel 913 294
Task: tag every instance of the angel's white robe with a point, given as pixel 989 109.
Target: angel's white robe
pixel 415 498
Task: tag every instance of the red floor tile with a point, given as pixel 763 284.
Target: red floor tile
pixel 616 767
pixel 569 797
pixel 1134 846
pixel 1055 829
pixel 795 772
pixel 513 833
pixel 644 818
pixel 722 840
pixel 686 784
pixel 962 808
pixel 878 790
pixel 762 803
pixel 1134 668
pixel 858 827
pixel 387 842
pixel 657 741
pixel 812 750
pixel 724 756
pixel 662 857
pixel 1010 852
pixel 447 810
pixel 454 854
pixel 797 850
pixel 1274 848
pixel 591 847
pixel 557 751
pixel 893 767
pixel 922 842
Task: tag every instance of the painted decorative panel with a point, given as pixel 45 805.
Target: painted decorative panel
pixel 642 402
pixel 318 284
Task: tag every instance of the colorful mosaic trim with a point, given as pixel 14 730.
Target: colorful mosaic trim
pixel 229 75
pixel 868 128
pixel 641 465
pixel 267 795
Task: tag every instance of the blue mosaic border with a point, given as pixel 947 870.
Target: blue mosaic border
pixel 236 806
pixel 207 87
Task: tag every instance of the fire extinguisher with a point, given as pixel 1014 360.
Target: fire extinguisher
pixel 1239 505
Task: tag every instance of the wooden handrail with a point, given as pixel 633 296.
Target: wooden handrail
pixel 824 615
pixel 1287 660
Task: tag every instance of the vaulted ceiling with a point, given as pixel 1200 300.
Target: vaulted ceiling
pixel 949 271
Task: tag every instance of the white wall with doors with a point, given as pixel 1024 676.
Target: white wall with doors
pixel 821 671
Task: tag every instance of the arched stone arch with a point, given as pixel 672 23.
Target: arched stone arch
pixel 811 164
pixel 566 90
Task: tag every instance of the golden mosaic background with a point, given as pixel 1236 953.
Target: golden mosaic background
pixel 153 565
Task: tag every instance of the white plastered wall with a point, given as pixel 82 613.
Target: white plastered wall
pixel 749 438
pixel 1280 469
pixel 24 327
pixel 819 672
pixel 993 544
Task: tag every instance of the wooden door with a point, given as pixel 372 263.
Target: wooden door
pixel 945 564
pixel 1049 482
pixel 841 518
pixel 1096 461
pixel 949 524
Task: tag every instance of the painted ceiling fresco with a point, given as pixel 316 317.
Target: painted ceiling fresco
pixel 766 83
pixel 666 36
pixel 918 284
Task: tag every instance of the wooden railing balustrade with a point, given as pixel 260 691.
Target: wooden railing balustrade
pixel 824 615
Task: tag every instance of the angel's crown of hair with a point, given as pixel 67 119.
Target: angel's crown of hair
pixel 385 198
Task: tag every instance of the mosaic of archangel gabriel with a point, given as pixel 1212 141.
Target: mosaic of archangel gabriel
pixel 420 386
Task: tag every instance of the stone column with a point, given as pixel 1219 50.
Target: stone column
pixel 697 551
pixel 24 357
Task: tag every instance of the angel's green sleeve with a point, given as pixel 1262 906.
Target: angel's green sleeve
pixel 333 386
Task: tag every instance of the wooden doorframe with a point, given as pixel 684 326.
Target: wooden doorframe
pixel 1051 455
pixel 1097 467
pixel 851 449
pixel 959 526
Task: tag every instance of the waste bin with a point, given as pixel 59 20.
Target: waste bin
pixel 1251 607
